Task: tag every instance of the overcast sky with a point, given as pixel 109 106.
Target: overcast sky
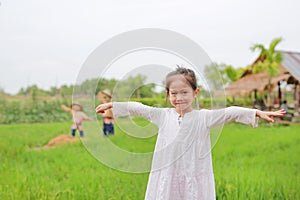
pixel 46 42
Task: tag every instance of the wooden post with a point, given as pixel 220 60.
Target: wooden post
pixel 279 93
pixel 255 102
pixel 296 101
pixel 269 101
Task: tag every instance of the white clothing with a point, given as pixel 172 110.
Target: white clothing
pixel 182 162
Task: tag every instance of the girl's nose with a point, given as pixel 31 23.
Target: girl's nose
pixel 178 96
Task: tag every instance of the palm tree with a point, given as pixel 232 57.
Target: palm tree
pixel 269 63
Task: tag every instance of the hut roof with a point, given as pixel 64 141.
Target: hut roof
pixel 289 71
pixel 291 61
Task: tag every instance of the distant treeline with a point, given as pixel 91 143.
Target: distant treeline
pixel 218 75
pixel 22 109
pixel 34 105
pixel 122 88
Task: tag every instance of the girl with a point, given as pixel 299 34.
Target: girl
pixel 182 164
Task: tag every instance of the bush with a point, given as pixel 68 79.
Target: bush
pixel 39 110
pixel 31 111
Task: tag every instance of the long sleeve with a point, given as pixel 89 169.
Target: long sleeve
pixel 238 114
pixel 138 109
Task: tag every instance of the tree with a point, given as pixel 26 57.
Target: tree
pixel 2 91
pixel 232 73
pixel 269 63
pixel 134 87
pixel 65 90
pixel 53 91
pixel 22 91
pixel 216 75
pixel 221 74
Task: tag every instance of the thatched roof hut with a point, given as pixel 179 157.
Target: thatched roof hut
pixel 249 82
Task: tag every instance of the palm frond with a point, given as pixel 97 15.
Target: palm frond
pixel 260 47
pixel 274 43
pixel 277 57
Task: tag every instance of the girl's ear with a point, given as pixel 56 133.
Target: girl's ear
pixel 196 92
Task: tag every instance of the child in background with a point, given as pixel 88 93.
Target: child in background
pixel 182 162
pixel 76 110
pixel 285 107
pixel 108 119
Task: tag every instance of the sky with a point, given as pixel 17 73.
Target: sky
pixel 46 42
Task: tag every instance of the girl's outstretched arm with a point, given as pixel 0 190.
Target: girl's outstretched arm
pixel 267 115
pixel 238 114
pixel 122 109
pixel 103 107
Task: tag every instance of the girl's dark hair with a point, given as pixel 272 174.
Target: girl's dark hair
pixel 188 74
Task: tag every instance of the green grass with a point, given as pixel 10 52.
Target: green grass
pixel 260 163
pixel 249 163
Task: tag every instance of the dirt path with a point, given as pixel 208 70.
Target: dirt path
pixel 58 141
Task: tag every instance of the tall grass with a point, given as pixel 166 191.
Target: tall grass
pixel 248 163
pixel 258 163
pixel 66 172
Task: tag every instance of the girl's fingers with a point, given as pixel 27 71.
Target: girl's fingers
pixel 276 113
pixel 268 115
pixel 280 113
pixel 268 118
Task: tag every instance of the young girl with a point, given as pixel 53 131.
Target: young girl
pixel 182 163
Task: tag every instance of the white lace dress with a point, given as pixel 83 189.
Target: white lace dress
pixel 182 164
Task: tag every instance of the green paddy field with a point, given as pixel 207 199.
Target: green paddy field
pixel 261 163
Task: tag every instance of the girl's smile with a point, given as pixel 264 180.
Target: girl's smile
pixel 181 94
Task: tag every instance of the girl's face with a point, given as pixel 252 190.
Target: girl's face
pixel 181 94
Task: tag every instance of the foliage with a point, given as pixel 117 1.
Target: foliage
pixel 134 87
pixel 270 62
pixel 47 110
pixel 157 102
pixel 271 59
pixel 2 91
pixel 215 74
pixel 34 91
pixel 233 74
pixel 66 90
pixel 32 111
pixel 106 84
pixel 221 74
pixel 131 87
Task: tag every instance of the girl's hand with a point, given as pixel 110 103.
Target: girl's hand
pixel 267 116
pixel 103 107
